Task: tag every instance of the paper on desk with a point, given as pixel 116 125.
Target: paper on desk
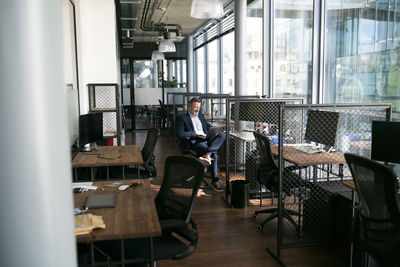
pixel 87 222
pixel 86 186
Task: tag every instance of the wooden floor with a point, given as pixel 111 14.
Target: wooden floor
pixel 229 237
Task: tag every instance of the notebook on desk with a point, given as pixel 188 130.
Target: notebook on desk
pixel 101 201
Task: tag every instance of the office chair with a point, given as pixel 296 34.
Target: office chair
pixel 267 175
pixel 148 168
pixel 174 202
pixel 376 225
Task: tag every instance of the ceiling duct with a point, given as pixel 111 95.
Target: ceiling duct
pixel 163 29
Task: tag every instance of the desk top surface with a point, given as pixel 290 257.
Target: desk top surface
pixel 134 215
pixel 300 158
pixel 109 156
pixel 243 136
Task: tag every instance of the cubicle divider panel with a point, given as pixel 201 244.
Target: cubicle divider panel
pixel 312 141
pixel 104 97
pixel 245 116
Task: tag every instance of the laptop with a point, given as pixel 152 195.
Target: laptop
pixel 213 131
pixel 101 201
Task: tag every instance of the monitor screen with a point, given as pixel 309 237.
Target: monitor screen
pixel 90 128
pixel 322 127
pixel 385 141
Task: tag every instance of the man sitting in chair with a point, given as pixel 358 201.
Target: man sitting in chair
pixel 193 129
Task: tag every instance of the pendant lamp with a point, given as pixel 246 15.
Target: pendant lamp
pixel 204 9
pixel 166 46
pixel 157 55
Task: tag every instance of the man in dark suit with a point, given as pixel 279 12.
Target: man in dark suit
pixel 193 129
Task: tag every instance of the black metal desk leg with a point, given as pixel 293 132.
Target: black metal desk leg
pixel 123 172
pixel 138 171
pixel 151 252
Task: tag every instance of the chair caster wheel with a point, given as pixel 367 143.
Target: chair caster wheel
pixel 254 215
pixel 260 227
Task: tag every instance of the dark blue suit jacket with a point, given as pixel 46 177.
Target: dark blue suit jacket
pixel 186 130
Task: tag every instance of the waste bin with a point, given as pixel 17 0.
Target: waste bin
pixel 240 194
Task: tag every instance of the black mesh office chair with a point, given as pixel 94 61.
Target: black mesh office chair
pixel 267 174
pixel 376 226
pixel 174 202
pixel 147 169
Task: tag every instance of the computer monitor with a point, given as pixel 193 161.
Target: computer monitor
pixel 322 127
pixel 385 141
pixel 90 128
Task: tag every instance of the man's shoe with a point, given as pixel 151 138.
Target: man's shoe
pixel 217 186
pixel 206 158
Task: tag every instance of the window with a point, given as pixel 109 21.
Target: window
pixel 292 59
pixel 200 70
pixel 228 63
pixel 362 53
pixel 254 49
pixel 145 74
pixel 212 51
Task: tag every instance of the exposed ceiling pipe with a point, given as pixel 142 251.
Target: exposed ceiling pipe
pixel 161 27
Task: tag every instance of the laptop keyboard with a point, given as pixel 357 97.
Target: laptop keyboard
pixel 308 149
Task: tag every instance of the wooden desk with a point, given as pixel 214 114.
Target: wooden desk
pixel 303 159
pixel 107 156
pixel 134 216
pixel 300 158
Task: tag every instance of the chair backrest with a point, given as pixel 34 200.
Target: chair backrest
pixel 150 144
pixel 268 165
pixel 377 188
pixel 182 178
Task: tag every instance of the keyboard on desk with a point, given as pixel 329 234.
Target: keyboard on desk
pixel 308 149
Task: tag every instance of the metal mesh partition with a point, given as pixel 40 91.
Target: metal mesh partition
pixel 105 98
pixel 313 138
pixel 241 156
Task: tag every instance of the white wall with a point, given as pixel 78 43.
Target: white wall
pixel 97 54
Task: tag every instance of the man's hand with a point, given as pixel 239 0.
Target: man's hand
pixel 201 135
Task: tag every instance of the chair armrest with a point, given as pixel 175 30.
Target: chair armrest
pixel 181 228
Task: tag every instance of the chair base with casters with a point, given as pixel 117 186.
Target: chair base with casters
pixel 286 213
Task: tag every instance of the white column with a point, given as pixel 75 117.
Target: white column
pixel 189 63
pixel 240 46
pixel 36 225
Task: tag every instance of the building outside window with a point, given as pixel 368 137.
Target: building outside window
pixel 292 59
pixel 362 52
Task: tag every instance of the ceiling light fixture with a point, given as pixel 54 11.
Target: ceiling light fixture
pixel 166 46
pixel 157 55
pixel 207 9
